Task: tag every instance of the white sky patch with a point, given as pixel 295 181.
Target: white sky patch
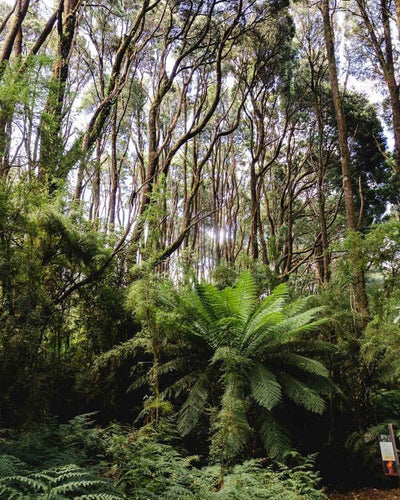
pixel 46 4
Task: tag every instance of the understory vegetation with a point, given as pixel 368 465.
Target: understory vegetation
pixel 199 247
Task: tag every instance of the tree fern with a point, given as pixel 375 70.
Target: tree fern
pixel 241 300
pixel 261 347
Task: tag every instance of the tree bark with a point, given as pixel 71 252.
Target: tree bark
pixel 390 76
pixel 12 35
pixel 50 169
pixel 384 55
pixel 397 5
pixel 360 296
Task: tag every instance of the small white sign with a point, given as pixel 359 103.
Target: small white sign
pixel 387 451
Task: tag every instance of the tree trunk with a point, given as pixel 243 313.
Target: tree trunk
pixel 390 76
pixel 360 296
pixel 12 35
pixel 254 213
pixel 397 4
pixel 113 172
pixel 50 169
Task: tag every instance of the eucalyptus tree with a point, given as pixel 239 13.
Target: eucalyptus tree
pixel 360 299
pixel 267 112
pixel 377 53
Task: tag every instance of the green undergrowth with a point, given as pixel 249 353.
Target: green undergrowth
pixel 80 461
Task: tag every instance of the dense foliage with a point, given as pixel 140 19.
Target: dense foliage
pixel 199 242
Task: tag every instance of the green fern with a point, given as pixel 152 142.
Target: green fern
pixel 147 468
pixel 264 387
pixel 63 482
pixel 262 347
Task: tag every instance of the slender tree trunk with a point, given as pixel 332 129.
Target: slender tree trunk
pixel 254 213
pixel 360 296
pixel 397 5
pixel 95 209
pixel 390 76
pixel 50 129
pixel 13 42
pixel 325 257
pixel 113 171
pixel 12 35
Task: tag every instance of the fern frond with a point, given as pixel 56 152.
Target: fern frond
pixel 293 323
pixel 264 387
pixel 323 385
pixel 9 493
pixel 241 299
pixel 261 331
pixel 274 437
pixel 181 385
pixel 194 405
pixel 81 484
pixel 301 394
pixel 98 496
pixel 10 465
pixel 230 357
pixel 309 347
pixel 211 301
pixel 298 306
pixel 301 362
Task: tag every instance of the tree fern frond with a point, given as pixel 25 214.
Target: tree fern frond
pixel 241 299
pixel 140 382
pixel 260 331
pixel 174 365
pixel 301 394
pixel 323 385
pixel 303 347
pixel 301 362
pixel 181 385
pixel 279 292
pixel 230 357
pixel 298 306
pixel 285 335
pixel 309 327
pixel 211 301
pixel 194 405
pixel 274 437
pixel 292 323
pixel 264 386
pixel 118 354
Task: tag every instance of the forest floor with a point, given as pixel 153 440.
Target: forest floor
pixel 367 494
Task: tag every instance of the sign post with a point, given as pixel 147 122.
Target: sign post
pixel 390 458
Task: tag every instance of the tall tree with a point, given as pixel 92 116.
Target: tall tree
pixel 360 295
pixel 378 45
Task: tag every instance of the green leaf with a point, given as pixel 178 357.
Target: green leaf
pixel 264 387
pixel 302 395
pixel 302 362
pixel 274 437
pixel 194 405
